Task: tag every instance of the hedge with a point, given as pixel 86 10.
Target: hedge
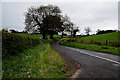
pixel 12 43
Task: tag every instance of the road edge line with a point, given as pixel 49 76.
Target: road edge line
pixel 75 75
pixel 103 58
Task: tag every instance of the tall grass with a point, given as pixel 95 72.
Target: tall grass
pixel 39 62
pixel 34 59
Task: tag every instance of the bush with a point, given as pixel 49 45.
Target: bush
pixel 12 43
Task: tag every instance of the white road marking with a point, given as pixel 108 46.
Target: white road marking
pixel 97 56
pixel 103 58
pixel 76 74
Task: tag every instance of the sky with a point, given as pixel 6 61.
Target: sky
pixel 96 15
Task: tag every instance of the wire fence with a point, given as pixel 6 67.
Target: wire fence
pixel 106 43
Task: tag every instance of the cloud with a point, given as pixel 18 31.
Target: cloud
pixel 0 16
pixel 59 0
pixel 97 15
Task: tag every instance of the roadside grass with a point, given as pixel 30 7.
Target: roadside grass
pixel 108 49
pixel 96 42
pixel 40 61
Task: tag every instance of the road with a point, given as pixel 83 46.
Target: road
pixel 92 64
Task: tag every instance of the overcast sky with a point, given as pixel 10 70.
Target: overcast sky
pixel 96 15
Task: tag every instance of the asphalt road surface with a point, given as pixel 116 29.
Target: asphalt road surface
pixel 92 64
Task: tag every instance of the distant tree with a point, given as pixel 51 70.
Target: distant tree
pixel 87 30
pixel 66 25
pixel 35 19
pixel 4 30
pixel 63 19
pixel 104 31
pixel 75 31
pixel 71 28
pixel 98 30
pixel 13 31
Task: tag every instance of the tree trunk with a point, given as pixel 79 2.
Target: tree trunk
pixel 44 36
pixel 74 34
pixel 71 34
pixel 51 36
pixel 62 35
pixel 88 34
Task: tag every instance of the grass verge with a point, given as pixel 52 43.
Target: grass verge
pixel 40 61
pixel 108 49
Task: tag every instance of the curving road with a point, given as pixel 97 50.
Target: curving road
pixel 92 64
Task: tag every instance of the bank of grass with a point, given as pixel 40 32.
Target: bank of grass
pixel 96 42
pixel 108 49
pixel 40 61
pixel 112 37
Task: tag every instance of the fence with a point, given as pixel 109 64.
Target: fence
pixel 106 43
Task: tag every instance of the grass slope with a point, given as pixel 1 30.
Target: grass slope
pixel 40 61
pixel 112 37
pixel 84 43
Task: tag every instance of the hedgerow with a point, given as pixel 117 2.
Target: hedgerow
pixel 12 43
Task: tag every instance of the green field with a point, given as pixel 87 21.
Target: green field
pixel 97 43
pixel 112 37
pixel 40 61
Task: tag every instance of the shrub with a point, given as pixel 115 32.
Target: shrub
pixel 12 43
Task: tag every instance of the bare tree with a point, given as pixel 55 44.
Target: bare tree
pixel 87 30
pixel 35 16
pixel 70 27
pixel 66 24
pixel 47 20
pixel 98 30
pixel 76 29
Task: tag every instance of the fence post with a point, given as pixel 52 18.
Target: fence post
pixel 106 42
pixel 91 41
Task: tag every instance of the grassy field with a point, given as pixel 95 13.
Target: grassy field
pixel 111 39
pixel 98 43
pixel 39 62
